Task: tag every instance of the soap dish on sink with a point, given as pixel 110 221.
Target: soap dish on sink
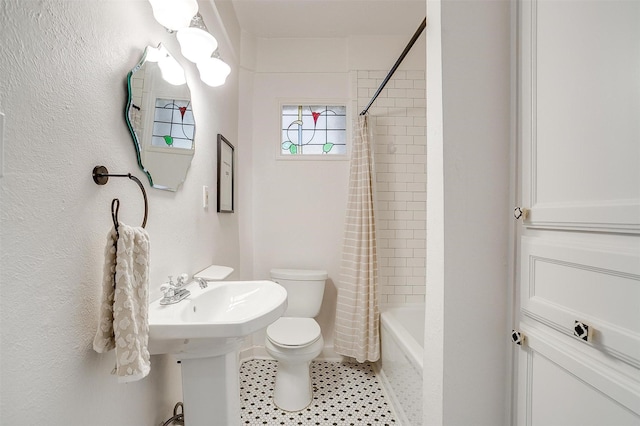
pixel 214 273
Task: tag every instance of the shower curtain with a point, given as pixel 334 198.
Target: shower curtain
pixel 357 332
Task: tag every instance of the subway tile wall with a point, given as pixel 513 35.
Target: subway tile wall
pixel 400 163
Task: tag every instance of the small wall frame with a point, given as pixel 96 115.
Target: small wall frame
pixel 226 171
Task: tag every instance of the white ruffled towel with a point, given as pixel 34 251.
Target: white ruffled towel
pixel 124 319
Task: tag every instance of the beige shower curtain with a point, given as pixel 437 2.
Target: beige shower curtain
pixel 357 332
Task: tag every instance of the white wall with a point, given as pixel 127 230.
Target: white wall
pixel 63 92
pixel 298 207
pixel 468 122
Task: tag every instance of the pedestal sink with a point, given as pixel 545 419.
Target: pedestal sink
pixel 204 332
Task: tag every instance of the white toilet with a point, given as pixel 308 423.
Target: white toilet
pixel 295 339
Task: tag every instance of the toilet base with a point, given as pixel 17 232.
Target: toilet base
pixel 292 390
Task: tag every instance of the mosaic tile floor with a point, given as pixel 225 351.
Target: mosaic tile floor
pixel 345 394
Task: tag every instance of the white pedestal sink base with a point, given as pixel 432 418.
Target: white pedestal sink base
pixel 211 390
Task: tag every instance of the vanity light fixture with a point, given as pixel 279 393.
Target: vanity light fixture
pixel 196 43
pixel 214 71
pixel 174 14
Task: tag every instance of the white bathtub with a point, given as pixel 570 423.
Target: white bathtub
pixel 402 335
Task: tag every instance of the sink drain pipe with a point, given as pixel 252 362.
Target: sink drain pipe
pixel 177 419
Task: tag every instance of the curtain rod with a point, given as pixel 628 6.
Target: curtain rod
pixel 397 64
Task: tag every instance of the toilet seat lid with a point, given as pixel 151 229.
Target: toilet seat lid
pixel 291 331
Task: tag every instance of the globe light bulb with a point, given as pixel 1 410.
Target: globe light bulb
pixel 196 44
pixel 174 14
pixel 213 71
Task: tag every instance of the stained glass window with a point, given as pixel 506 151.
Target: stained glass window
pixel 314 130
pixel 173 124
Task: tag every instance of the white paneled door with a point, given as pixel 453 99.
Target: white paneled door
pixel 578 266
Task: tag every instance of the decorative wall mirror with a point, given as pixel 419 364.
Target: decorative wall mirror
pixel 160 117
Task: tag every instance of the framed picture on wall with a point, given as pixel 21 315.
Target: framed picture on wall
pixel 225 175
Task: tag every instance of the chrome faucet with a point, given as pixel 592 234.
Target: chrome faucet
pixel 173 293
pixel 202 282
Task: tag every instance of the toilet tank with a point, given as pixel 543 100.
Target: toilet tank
pixel 305 290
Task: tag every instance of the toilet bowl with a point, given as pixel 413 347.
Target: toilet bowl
pixel 294 343
pixel 295 339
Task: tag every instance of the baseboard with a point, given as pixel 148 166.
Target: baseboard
pixel 259 352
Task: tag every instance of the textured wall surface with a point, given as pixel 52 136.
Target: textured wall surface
pixel 62 88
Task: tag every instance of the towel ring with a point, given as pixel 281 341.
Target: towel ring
pixel 101 176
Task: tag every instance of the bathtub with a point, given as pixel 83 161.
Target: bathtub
pixel 402 342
